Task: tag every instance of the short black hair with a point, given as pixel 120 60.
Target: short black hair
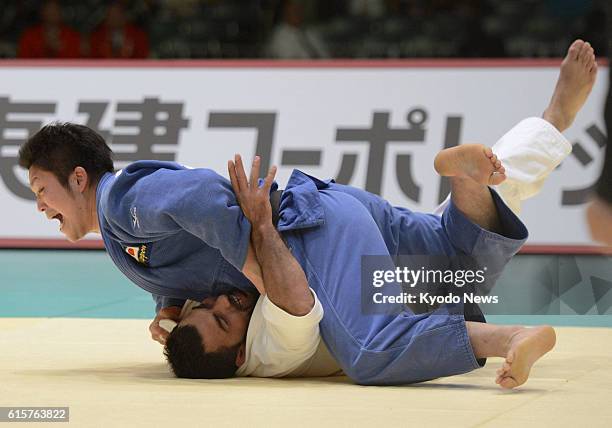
pixel 187 356
pixel 60 147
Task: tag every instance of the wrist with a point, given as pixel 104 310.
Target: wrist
pixel 263 228
pixel 171 312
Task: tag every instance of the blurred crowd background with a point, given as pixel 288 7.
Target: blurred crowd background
pixel 298 29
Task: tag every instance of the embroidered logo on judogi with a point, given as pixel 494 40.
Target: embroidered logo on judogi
pixel 135 221
pixel 138 253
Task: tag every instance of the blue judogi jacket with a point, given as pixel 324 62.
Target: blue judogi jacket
pixel 176 232
pixel 179 233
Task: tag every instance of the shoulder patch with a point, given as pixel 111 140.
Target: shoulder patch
pixel 138 253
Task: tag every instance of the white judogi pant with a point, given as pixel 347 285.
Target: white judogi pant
pixel 530 152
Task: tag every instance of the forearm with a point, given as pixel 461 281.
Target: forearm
pixel 284 279
pixel 252 270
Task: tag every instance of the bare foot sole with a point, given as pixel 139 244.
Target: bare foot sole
pixel 526 347
pixel 576 79
pixel 473 161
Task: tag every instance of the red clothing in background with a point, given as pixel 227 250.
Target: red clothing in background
pixel 134 43
pixel 33 44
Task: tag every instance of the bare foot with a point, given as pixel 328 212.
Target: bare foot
pixel 473 161
pixel 526 346
pixel 576 79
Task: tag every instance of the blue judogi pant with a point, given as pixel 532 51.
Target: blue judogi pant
pixel 346 223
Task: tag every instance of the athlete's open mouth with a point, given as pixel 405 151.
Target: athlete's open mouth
pixel 239 300
pixel 59 217
pixel 236 302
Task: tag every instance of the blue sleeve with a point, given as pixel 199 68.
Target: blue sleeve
pixel 151 203
pixel 164 302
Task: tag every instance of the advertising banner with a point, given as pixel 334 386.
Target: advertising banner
pixel 378 128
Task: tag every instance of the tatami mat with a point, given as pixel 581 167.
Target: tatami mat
pixel 110 373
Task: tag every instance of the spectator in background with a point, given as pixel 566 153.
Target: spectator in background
pixel 117 38
pixel 368 8
pixel 290 39
pixel 51 38
pixel 476 41
pixel 594 27
pixel 7 49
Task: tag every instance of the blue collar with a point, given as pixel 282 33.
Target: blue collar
pixel 300 205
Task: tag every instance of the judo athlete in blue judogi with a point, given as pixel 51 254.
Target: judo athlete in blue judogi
pixel 191 241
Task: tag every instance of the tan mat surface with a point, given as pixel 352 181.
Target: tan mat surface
pixel 111 374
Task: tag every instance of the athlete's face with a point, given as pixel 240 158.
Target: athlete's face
pixel 222 321
pixel 67 205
